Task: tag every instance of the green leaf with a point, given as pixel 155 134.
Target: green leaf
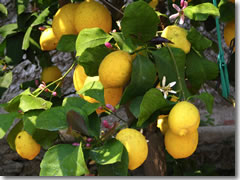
pixel 142 78
pixel 94 124
pixel 6 121
pixel 29 121
pixel 166 67
pixel 139 22
pixel 40 19
pixel 91 59
pixel 3 10
pixel 227 11
pixel 28 103
pixel 21 5
pixel 199 70
pixel 6 79
pixel 109 153
pixel 116 169
pixel 135 106
pixel 201 11
pixel 206 98
pixel 125 44
pixel 63 160
pixel 78 102
pixel 153 100
pixel 2 48
pixel 89 38
pixel 67 43
pixel 13 134
pixel 8 29
pixel 198 41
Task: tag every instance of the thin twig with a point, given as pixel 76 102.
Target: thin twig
pixel 112 6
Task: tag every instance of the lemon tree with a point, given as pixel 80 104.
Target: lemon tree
pixel 123 55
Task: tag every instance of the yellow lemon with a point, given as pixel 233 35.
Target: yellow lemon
pixel 113 95
pixel 115 69
pixel 50 74
pixel 229 32
pixel 136 146
pixel 183 118
pixel 90 14
pixel 26 146
pixel 162 123
pixel 48 40
pixel 181 146
pixel 178 36
pixel 153 3
pixel 63 20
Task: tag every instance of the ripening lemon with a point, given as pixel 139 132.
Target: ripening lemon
pixel 50 74
pixel 183 118
pixel 90 14
pixel 115 69
pixel 153 3
pixel 113 95
pixel 63 20
pixel 26 146
pixel 162 123
pixel 178 36
pixel 136 146
pixel 229 32
pixel 48 40
pixel 181 146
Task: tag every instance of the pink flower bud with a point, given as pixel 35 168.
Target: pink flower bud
pixel 108 45
pixel 41 86
pixel 105 124
pixel 88 145
pixel 36 82
pixel 182 3
pixel 100 108
pixel 109 106
pixel 89 140
pixel 54 93
pixel 75 144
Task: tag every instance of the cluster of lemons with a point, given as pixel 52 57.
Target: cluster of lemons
pixel 180 129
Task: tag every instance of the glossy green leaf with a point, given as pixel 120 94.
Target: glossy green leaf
pixel 134 107
pixel 6 121
pixel 29 121
pixel 109 153
pixel 21 5
pixel 91 59
pixel 8 29
pixel 89 38
pixel 164 58
pixel 116 169
pixel 13 134
pixel 142 78
pixel 3 10
pixel 201 11
pixel 227 11
pixel 125 44
pixel 198 41
pixel 28 103
pixel 152 100
pixel 6 79
pixel 67 43
pixel 63 160
pixel 139 22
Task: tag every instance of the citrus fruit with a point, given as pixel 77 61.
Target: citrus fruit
pixel 48 40
pixel 63 20
pixel 115 69
pixel 153 3
pixel 136 146
pixel 162 123
pixel 178 36
pixel 183 118
pixel 181 146
pixel 113 95
pixel 229 32
pixel 90 14
pixel 50 74
pixel 26 146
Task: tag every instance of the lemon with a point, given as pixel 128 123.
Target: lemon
pixel 90 14
pixel 63 20
pixel 229 32
pixel 113 95
pixel 183 118
pixel 26 146
pixel 178 36
pixel 50 74
pixel 162 123
pixel 48 40
pixel 136 146
pixel 153 3
pixel 181 146
pixel 115 69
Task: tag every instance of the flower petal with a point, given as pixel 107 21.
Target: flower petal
pixel 176 7
pixel 163 81
pixel 182 3
pixel 172 83
pixel 165 95
pixel 172 91
pixel 181 19
pixel 185 4
pixel 174 16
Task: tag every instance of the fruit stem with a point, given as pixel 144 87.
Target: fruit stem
pixel 177 71
pixel 112 6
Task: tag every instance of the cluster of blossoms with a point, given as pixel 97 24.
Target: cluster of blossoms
pixel 180 12
pixel 43 86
